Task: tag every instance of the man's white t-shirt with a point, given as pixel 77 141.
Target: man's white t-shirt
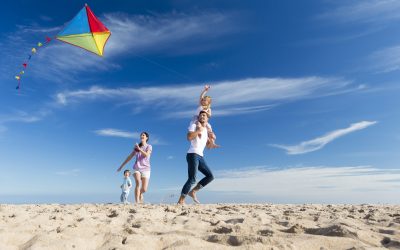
pixel 197 145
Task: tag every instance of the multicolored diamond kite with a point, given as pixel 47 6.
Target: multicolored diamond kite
pixel 86 31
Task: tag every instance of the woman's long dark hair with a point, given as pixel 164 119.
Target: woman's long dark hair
pixel 148 137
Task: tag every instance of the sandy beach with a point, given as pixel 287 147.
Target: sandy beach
pixel 209 226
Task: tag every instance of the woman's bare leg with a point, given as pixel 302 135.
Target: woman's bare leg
pixel 145 184
pixel 136 175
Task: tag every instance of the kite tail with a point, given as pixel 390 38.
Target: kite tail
pixel 25 64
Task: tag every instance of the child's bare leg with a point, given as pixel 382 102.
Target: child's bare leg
pixel 211 141
pixel 211 144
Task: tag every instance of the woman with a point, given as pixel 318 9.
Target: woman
pixel 142 165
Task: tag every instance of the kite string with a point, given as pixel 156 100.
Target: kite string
pixel 166 68
pixel 34 50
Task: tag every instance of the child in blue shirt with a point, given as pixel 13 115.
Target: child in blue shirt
pixel 126 187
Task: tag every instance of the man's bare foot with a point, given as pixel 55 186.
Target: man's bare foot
pixel 194 197
pixel 181 200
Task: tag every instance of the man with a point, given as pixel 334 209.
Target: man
pixel 197 136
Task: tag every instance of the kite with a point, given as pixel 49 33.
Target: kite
pixel 85 31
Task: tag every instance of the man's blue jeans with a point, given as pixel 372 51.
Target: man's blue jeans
pixel 196 162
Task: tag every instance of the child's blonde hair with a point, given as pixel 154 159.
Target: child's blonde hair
pixel 209 101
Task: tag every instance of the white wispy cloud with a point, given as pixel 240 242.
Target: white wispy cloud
pixel 154 139
pixel 385 60
pixel 20 116
pixel 224 111
pixel 355 19
pixel 37 29
pixel 117 133
pixel 131 35
pixel 229 97
pixel 320 142
pixel 163 33
pixel 368 11
pixel 321 184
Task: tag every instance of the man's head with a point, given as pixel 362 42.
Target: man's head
pixel 203 117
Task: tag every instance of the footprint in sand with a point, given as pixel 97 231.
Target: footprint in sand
pixel 214 223
pixel 334 230
pixel 215 238
pixel 295 229
pixel 397 220
pixel 184 213
pixel 369 217
pixel 222 230
pixel 283 223
pixel 225 208
pixel 234 221
pixel 129 230
pixel 389 243
pixel 266 232
pixel 113 214
pixel 124 240
pixel 234 240
pixel 136 225
pixel 288 212
pixel 170 210
pixel 385 231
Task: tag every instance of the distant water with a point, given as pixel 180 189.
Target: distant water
pixel 60 199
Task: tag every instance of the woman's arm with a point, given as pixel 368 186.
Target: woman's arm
pixel 126 160
pixel 146 153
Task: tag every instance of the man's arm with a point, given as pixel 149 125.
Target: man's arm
pixel 192 134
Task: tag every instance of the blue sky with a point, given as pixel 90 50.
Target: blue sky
pixel 305 100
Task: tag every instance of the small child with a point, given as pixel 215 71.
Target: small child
pixel 205 105
pixel 126 187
